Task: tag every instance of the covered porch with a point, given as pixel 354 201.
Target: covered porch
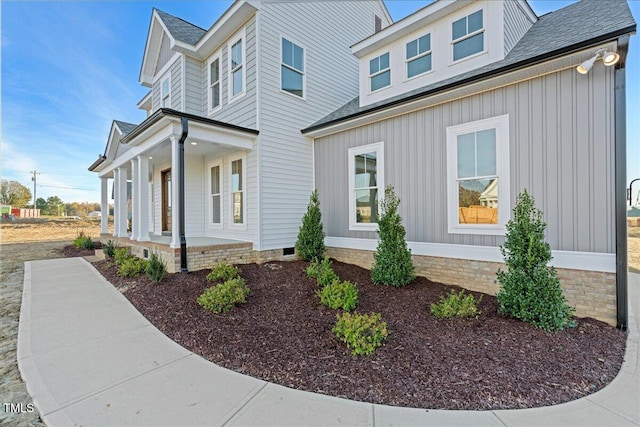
pixel 160 195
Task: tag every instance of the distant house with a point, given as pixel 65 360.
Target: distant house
pixel 459 106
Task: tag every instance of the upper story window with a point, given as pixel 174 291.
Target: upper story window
pixel 418 56
pixel 478 176
pixel 236 67
pixel 468 36
pixel 165 93
pixel 366 181
pixel 292 68
pixel 214 83
pixel 379 72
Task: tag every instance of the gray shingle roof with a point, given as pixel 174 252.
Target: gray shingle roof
pixel 180 29
pixel 583 23
pixel 125 127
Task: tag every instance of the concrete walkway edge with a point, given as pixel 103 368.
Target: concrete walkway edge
pixel 88 357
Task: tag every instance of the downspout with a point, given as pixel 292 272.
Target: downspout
pixel 181 202
pixel 621 185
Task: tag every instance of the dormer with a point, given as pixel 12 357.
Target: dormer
pixel 440 41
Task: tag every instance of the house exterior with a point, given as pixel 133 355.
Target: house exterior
pixel 459 106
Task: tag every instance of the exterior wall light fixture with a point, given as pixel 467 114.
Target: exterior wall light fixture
pixel 608 58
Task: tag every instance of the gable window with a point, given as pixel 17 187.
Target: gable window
pixel 478 176
pixel 379 72
pixel 418 56
pixel 214 84
pixel 236 67
pixel 292 68
pixel 165 93
pixel 467 36
pixel 237 192
pixel 215 194
pixel 366 182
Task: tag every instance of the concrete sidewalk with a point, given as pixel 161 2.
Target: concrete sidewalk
pixel 89 358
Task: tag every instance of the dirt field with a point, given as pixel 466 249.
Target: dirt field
pixel 35 230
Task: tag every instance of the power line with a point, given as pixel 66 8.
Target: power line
pixel 68 188
pixel 34 178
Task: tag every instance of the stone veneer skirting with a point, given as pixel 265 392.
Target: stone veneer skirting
pixel 592 293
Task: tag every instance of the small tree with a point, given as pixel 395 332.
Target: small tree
pixel 392 260
pixel 530 287
pixel 310 243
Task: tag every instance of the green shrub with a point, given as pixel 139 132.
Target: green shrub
pixel 530 287
pixel 339 295
pixel 322 271
pixel 310 243
pixel 362 333
pixel 223 297
pixel 109 248
pixel 156 268
pixel 392 263
pixel 223 272
pixel 83 241
pixel 456 305
pixel 132 266
pixel 121 255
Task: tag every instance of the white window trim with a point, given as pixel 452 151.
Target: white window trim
pixel 371 76
pixel 304 65
pixel 231 97
pixel 209 85
pixel 378 147
pixel 501 125
pixel 213 226
pixel 458 40
pixel 230 160
pixel 162 95
pixel 418 56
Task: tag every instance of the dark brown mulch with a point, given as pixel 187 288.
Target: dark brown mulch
pixel 72 251
pixel 283 335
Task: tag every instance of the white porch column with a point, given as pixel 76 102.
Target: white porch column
pixel 121 202
pixel 116 202
pixel 135 203
pixel 104 205
pixel 143 199
pixel 175 192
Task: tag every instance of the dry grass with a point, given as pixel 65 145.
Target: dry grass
pixel 45 230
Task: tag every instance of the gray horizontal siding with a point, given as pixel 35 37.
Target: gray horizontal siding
pixel 561 150
pixel 516 23
pixel 176 85
pixel 194 90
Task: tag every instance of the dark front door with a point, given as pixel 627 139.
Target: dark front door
pixel 166 200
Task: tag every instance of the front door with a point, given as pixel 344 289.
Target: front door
pixel 166 200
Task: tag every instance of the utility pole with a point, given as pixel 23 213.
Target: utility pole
pixel 34 178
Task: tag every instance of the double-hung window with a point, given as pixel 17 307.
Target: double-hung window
pixel 237 192
pixel 379 72
pixel 478 176
pixel 236 68
pixel 292 68
pixel 214 84
pixel 215 194
pixel 418 56
pixel 468 35
pixel 165 93
pixel 366 184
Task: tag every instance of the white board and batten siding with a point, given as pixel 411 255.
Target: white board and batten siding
pixel 331 73
pixel 561 148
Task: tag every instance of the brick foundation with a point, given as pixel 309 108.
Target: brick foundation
pixel 592 293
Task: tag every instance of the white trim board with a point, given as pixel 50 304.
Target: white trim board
pixel 589 261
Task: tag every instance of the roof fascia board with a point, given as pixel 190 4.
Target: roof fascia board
pixel 385 10
pixel 526 8
pixel 145 100
pixel 415 21
pixel 456 91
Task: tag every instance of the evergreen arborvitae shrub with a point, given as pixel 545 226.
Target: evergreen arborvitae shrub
pixel 392 260
pixel 530 287
pixel 310 243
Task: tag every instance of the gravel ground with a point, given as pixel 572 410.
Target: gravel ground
pixel 12 388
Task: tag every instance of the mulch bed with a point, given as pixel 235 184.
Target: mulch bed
pixel 72 251
pixel 283 335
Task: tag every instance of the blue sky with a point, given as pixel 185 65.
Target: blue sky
pixel 70 67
